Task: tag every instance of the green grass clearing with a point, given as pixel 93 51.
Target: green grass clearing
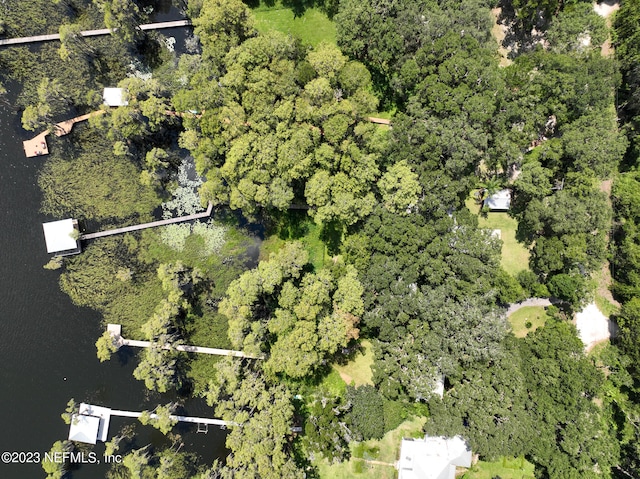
pixel 358 370
pixel 312 27
pixel 355 468
pixel 299 228
pixel 536 315
pixel 505 468
pixel 385 450
pixel 334 384
pixel 515 256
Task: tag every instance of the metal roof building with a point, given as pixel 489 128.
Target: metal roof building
pixel 61 237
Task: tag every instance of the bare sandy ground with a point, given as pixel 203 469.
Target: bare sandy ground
pixel 606 8
pixel 593 326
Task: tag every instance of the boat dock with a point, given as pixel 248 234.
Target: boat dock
pixel 37 146
pixel 116 333
pixel 91 423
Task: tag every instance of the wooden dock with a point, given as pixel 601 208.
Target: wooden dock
pixel 379 121
pixel 38 146
pixel 119 341
pixel 64 127
pixel 91 33
pixel 153 224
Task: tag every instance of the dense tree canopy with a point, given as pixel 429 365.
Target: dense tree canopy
pixel 274 124
pixel 300 318
pixel 287 127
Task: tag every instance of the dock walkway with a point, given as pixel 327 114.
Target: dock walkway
pixel 191 419
pixel 119 341
pixel 91 33
pixel 153 224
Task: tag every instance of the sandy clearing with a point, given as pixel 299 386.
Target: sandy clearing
pixel 606 8
pixel 593 326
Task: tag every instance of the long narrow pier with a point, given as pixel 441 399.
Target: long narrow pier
pixel 92 33
pixel 116 333
pixel 91 423
pixel 194 420
pixel 153 224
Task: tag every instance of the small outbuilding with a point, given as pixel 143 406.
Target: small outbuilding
pixel 499 201
pixel 90 424
pixel 433 457
pixel 114 97
pixel 84 428
pixel 61 237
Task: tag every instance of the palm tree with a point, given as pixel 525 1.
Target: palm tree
pixel 489 187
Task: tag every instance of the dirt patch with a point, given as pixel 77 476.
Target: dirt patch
pixel 345 377
pixel 499 32
pixel 594 327
pixel 604 285
pixel 606 8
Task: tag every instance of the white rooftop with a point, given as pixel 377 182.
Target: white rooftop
pixel 90 424
pixel 84 428
pixel 433 457
pixel 499 201
pixel 114 97
pixel 59 235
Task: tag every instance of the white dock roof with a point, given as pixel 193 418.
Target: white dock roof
pixel 59 235
pixel 84 428
pixel 114 97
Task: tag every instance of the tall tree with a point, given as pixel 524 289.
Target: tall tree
pixel 299 318
pixel 262 417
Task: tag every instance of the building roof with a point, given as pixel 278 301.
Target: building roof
pixel 84 428
pixel 103 413
pixel 114 97
pixel 58 235
pixel 500 201
pixel 433 457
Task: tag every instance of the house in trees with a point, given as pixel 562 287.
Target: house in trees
pixel 499 201
pixel 61 237
pixel 433 457
pixel 114 97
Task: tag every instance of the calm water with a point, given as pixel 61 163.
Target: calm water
pixel 47 352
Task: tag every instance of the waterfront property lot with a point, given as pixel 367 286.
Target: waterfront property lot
pixel 312 27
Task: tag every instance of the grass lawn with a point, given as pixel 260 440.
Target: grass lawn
pixel 515 257
pixel 385 450
pixel 537 315
pixel 333 383
pixel 355 468
pixel 312 27
pixel 304 230
pixel 507 468
pixel 358 370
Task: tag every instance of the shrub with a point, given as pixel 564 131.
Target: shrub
pixel 364 417
pixel 394 414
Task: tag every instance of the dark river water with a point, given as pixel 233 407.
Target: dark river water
pixel 47 351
